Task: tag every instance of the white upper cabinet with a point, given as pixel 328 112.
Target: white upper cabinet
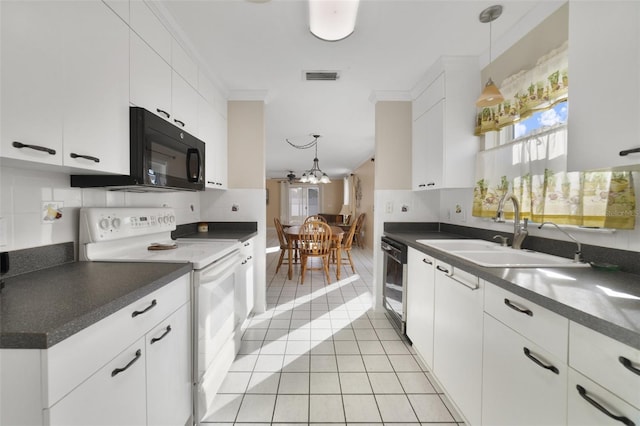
pixel 150 29
pixel 120 7
pixel 184 104
pixel 443 144
pixel 96 83
pixel 604 54
pixel 150 79
pixel 32 91
pixel 213 131
pixel 183 64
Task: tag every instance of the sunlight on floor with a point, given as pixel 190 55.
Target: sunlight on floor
pixel 320 354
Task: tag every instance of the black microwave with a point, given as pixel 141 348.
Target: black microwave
pixel 162 157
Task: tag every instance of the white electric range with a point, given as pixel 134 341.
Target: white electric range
pixel 144 235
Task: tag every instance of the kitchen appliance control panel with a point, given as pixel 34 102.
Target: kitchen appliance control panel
pixel 103 224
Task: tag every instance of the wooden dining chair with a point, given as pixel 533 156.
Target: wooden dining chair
pixel 315 218
pixel 314 240
pixel 347 242
pixel 284 245
pixel 357 236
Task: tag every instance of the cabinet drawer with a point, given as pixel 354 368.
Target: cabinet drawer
pixel 74 359
pixel 603 360
pixel 114 395
pixel 583 412
pixel 538 324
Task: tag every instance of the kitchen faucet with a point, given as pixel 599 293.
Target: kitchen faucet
pixel 577 257
pixel 519 230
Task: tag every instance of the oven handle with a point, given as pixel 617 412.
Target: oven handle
pixel 221 269
pixel 190 176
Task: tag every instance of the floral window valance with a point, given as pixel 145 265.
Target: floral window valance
pixel 527 92
pixel 535 169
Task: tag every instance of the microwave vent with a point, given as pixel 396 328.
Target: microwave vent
pixel 321 75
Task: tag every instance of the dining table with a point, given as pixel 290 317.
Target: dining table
pixel 336 236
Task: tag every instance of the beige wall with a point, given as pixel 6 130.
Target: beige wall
pixel 551 33
pixel 393 145
pixel 246 133
pixel 273 208
pixel 366 174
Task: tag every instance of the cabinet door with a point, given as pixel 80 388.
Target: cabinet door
pixel 457 347
pixel 244 284
pixel 150 79
pixel 31 91
pixel 169 375
pixel 602 75
pixel 420 303
pixel 184 104
pixel 433 164
pixel 208 132
pixel 583 411
pixel 516 390
pixel 96 84
pixel 419 153
pixel 221 151
pixel 107 399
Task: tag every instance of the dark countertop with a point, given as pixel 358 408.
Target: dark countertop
pixel 42 308
pixel 235 231
pixel 241 236
pixel 607 302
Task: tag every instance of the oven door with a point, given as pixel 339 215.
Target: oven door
pixel 394 291
pixel 214 328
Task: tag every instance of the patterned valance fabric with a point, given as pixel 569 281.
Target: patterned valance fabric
pixel 535 169
pixel 528 91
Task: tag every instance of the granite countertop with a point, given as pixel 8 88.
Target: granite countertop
pixel 231 231
pixel 215 234
pixel 42 308
pixel 607 302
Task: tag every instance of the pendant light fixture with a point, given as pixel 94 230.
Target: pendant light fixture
pixel 314 174
pixel 332 20
pixel 490 95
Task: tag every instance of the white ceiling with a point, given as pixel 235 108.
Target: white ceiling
pixel 256 48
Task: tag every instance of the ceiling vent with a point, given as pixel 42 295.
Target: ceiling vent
pixel 321 75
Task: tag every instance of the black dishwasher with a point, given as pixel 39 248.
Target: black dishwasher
pixel 395 281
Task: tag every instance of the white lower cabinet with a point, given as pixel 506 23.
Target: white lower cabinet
pixel 130 368
pixel 523 384
pixel 593 405
pixel 244 293
pixel 169 374
pixel 457 348
pixel 114 395
pixel 420 303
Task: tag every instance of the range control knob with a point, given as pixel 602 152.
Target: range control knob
pixel 172 218
pixel 116 223
pixel 104 224
pixel 160 219
pixel 167 219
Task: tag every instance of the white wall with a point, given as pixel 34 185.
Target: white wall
pixel 422 206
pixel 23 191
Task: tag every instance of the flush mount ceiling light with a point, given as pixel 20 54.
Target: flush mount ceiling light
pixel 314 174
pixel 332 20
pixel 490 95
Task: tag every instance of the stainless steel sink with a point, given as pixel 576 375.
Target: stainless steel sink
pixel 492 255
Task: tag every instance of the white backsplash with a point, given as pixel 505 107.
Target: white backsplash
pixel 23 191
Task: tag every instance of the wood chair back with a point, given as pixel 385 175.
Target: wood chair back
pixel 315 218
pixel 314 239
pixel 280 231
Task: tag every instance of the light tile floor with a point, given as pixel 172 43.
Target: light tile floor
pixel 320 354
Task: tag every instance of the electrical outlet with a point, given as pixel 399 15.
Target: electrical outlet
pixel 389 207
